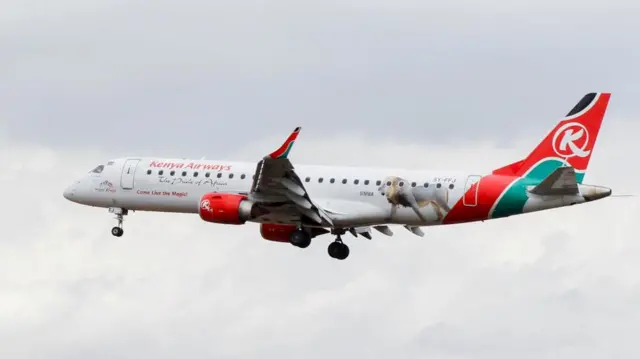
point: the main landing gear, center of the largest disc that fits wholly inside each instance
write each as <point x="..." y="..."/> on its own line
<point x="117" y="231"/>
<point x="301" y="238"/>
<point x="338" y="250"/>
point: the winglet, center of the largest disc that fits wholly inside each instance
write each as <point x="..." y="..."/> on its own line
<point x="283" y="151"/>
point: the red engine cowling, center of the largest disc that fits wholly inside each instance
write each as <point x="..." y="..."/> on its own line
<point x="225" y="208"/>
<point x="276" y="232"/>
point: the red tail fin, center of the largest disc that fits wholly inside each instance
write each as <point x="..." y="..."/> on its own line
<point x="571" y="142"/>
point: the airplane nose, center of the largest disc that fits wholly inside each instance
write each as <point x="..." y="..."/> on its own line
<point x="69" y="192"/>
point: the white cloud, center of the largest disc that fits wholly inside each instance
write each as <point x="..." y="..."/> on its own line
<point x="551" y="284"/>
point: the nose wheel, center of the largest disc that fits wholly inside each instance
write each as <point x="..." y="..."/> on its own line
<point x="117" y="231"/>
<point x="338" y="250"/>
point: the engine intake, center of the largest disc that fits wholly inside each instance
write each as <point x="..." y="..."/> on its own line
<point x="225" y="208"/>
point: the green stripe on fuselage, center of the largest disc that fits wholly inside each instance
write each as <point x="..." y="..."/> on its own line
<point x="514" y="199"/>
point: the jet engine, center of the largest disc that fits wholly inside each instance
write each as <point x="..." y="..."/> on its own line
<point x="225" y="208"/>
<point x="277" y="232"/>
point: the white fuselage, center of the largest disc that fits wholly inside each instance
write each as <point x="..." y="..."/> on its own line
<point x="354" y="194"/>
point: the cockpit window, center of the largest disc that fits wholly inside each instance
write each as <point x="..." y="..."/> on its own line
<point x="110" y="163"/>
<point x="98" y="169"/>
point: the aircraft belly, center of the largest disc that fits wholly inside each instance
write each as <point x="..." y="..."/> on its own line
<point x="539" y="203"/>
<point x="352" y="213"/>
<point x="429" y="215"/>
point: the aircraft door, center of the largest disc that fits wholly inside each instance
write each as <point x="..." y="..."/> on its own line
<point x="128" y="173"/>
<point x="470" y="197"/>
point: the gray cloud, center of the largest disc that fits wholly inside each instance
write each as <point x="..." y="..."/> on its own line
<point x="147" y="78"/>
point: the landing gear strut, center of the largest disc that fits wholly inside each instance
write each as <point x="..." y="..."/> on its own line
<point x="338" y="250"/>
<point x="117" y="231"/>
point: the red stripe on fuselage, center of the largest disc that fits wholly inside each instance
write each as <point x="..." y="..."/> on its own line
<point x="489" y="189"/>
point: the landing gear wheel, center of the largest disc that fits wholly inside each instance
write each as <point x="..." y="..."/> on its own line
<point x="338" y="250"/>
<point x="300" y="238"/>
<point x="117" y="231"/>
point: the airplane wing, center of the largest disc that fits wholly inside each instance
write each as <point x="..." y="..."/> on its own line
<point x="278" y="188"/>
<point x="562" y="181"/>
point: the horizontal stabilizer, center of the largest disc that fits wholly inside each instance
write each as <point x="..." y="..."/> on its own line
<point x="560" y="182"/>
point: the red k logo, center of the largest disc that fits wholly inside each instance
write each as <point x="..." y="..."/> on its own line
<point x="206" y="205"/>
<point x="571" y="139"/>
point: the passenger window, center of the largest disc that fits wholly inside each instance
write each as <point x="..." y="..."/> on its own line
<point x="320" y="180"/>
<point x="307" y="179"/>
<point x="184" y="173"/>
<point x="439" y="185"/>
<point x="378" y="182"/>
<point x="160" y="173"/>
<point x="148" y="172"/>
<point x="451" y="186"/>
<point x="195" y="174"/>
<point x="230" y="175"/>
<point x="242" y="176"/>
<point x="207" y="174"/>
<point x="344" y="181"/>
<point x="172" y="173"/>
<point x="401" y="184"/>
<point x="413" y="184"/>
<point x="332" y="180"/>
<point x="219" y="175"/>
<point x="366" y="182"/>
<point x="356" y="181"/>
<point x="426" y="184"/>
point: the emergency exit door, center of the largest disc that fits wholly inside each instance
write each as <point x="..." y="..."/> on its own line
<point x="470" y="197"/>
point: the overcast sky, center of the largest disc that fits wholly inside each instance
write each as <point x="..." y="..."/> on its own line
<point x="458" y="84"/>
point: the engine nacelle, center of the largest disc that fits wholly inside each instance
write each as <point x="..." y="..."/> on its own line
<point x="225" y="208"/>
<point x="276" y="232"/>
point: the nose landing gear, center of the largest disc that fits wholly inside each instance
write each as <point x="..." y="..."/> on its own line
<point x="117" y="231"/>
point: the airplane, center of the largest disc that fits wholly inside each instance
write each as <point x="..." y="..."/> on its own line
<point x="295" y="204"/>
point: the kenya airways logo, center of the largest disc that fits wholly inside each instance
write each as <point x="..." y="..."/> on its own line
<point x="571" y="139"/>
<point x="206" y="205"/>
